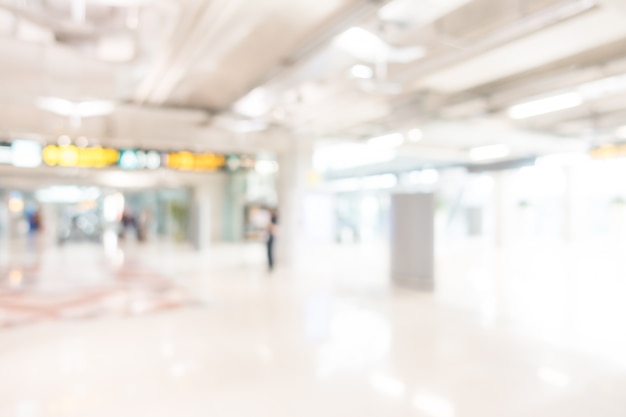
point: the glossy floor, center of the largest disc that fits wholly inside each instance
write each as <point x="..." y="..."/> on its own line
<point x="534" y="330"/>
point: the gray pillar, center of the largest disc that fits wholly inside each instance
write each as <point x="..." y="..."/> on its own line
<point x="412" y="240"/>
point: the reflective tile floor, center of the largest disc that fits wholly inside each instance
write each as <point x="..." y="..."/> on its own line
<point x="524" y="331"/>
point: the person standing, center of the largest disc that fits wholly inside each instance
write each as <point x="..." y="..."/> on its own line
<point x="271" y="237"/>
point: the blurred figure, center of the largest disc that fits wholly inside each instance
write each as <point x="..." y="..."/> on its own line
<point x="143" y="224"/>
<point x="34" y="222"/>
<point x="271" y="237"/>
<point x="128" y="221"/>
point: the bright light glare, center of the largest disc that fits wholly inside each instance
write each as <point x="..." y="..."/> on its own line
<point x="368" y="47"/>
<point x="66" y="194"/>
<point x="112" y="207"/>
<point x="361" y="43"/>
<point x="16" y="204"/>
<point x="362" y="71"/>
<point x="391" y="140"/>
<point x="68" y="108"/>
<point x="603" y="87"/>
<point x="254" y="104"/>
<point x="387" y="385"/>
<point x="266" y="167"/>
<point x="26" y="154"/>
<point x="545" y="105"/>
<point x="485" y="153"/>
<point x="554" y="377"/>
<point x="415" y="135"/>
<point x="565" y="159"/>
<point x="433" y="405"/>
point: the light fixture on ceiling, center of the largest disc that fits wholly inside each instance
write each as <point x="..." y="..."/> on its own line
<point x="546" y="105"/>
<point x="486" y="153"/>
<point x="367" y="47"/>
<point x="81" y="109"/>
<point x="415" y="135"/>
<point x="364" y="72"/>
<point x="391" y="140"/>
<point x="254" y="104"/>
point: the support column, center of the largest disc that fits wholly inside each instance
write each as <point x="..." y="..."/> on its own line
<point x="413" y="240"/>
<point x="295" y="164"/>
<point x="206" y="211"/>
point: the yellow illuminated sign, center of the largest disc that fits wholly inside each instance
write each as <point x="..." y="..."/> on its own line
<point x="609" y="151"/>
<point x="188" y="161"/>
<point x="73" y="156"/>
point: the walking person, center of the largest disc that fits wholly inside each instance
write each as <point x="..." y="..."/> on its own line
<point x="271" y="237"/>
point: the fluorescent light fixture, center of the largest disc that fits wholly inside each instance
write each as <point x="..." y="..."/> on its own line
<point x="368" y="47"/>
<point x="26" y="154"/>
<point x="254" y="104"/>
<point x="68" y="108"/>
<point x="362" y="71"/>
<point x="546" y="105"/>
<point x="433" y="405"/>
<point x="388" y="386"/>
<point x="486" y="153"/>
<point x="415" y="135"/>
<point x="391" y="140"/>
<point x="603" y="87"/>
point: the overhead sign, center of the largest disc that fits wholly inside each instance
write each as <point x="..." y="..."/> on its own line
<point x="75" y="157"/>
<point x="187" y="161"/>
<point x="30" y="154"/>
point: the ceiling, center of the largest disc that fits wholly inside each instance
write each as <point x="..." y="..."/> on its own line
<point x="245" y="76"/>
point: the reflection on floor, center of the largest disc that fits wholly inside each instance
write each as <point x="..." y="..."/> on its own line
<point x="527" y="331"/>
<point x="79" y="283"/>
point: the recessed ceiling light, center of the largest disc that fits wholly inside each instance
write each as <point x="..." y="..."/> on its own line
<point x="546" y="105"/>
<point x="362" y="71"/>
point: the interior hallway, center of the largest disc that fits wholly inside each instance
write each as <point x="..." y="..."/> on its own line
<point x="167" y="332"/>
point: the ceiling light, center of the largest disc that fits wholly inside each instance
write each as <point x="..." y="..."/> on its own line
<point x="68" y="108"/>
<point x="603" y="87"/>
<point x="415" y="135"/>
<point x="485" y="153"/>
<point x="253" y="104"/>
<point x="362" y="71"/>
<point x="391" y="140"/>
<point x="367" y="47"/>
<point x="546" y="105"/>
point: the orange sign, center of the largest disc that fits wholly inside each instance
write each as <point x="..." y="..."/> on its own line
<point x="187" y="161"/>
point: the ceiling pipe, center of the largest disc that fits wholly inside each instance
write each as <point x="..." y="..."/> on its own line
<point x="528" y="25"/>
